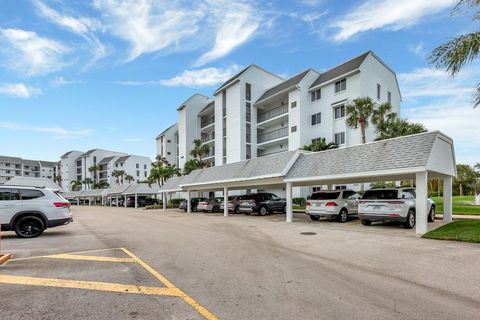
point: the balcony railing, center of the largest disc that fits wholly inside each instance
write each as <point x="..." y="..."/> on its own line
<point x="206" y="122"/>
<point x="275" y="112"/>
<point x="211" y="153"/>
<point x="208" y="137"/>
<point x="272" y="135"/>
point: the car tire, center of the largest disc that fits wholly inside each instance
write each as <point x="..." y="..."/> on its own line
<point x="410" y="223"/>
<point x="431" y="214"/>
<point x="215" y="209"/>
<point x="315" y="218"/>
<point x="284" y="209"/>
<point x="185" y="209"/>
<point x="29" y="227"/>
<point x="366" y="222"/>
<point x="342" y="216"/>
<point x="263" y="211"/>
<point x="237" y="209"/>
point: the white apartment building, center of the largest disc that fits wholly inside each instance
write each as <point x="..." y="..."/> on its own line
<point x="136" y="166"/>
<point x="17" y="167"/>
<point x="256" y="112"/>
<point x="167" y="144"/>
<point x="68" y="168"/>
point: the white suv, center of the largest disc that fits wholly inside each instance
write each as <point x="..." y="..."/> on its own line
<point x="30" y="210"/>
<point x="391" y="204"/>
<point x="339" y="204"/>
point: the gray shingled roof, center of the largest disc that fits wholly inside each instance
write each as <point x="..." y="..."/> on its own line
<point x="293" y="81"/>
<point x="68" y="153"/>
<point x="141" y="188"/>
<point x="47" y="163"/>
<point x="10" y="159"/>
<point x="172" y="185"/>
<point x="209" y="105"/>
<point x="344" y="68"/>
<point x="117" y="190"/>
<point x="122" y="159"/>
<point x="30" y="162"/>
<point x="399" y="153"/>
<point x="267" y="166"/>
<point x="163" y="132"/>
<point x="235" y="77"/>
<point x="106" y="160"/>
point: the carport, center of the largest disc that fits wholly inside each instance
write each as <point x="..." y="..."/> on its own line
<point x="140" y="189"/>
<point x="115" y="193"/>
<point x="417" y="157"/>
<point x="172" y="185"/>
<point x="92" y="194"/>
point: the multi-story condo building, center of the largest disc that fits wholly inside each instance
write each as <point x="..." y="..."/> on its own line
<point x="17" y="167"/>
<point x="137" y="167"/>
<point x="257" y="113"/>
<point x="167" y="144"/>
<point x="68" y="168"/>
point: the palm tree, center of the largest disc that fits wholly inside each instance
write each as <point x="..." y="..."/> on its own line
<point x="101" y="185"/>
<point x="170" y="171"/>
<point x="58" y="180"/>
<point x="359" y="113"/>
<point x="76" y="184"/>
<point x="399" y="128"/>
<point x="94" y="169"/>
<point x="320" y="145"/>
<point x="191" y="165"/>
<point x="454" y="54"/>
<point x="129" y="178"/>
<point x="199" y="149"/>
<point x="118" y="174"/>
<point x="382" y="115"/>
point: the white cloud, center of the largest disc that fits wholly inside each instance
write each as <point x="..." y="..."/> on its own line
<point x="202" y="77"/>
<point x="237" y="23"/>
<point x="84" y="27"/>
<point x="19" y="90"/>
<point x="56" y="132"/>
<point x="30" y="54"/>
<point x="385" y="14"/>
<point x="418" y="49"/>
<point x="136" y="83"/>
<point x="61" y="81"/>
<point x="149" y="25"/>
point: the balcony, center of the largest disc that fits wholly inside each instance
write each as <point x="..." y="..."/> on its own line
<point x="272" y="113"/>
<point x="205" y="122"/>
<point x="208" y="137"/>
<point x="210" y="154"/>
<point x="272" y="135"/>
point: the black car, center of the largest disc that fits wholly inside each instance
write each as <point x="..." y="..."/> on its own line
<point x="263" y="203"/>
<point x="142" y="201"/>
<point x="193" y="204"/>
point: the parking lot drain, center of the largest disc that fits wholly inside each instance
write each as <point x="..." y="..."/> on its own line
<point x="308" y="233"/>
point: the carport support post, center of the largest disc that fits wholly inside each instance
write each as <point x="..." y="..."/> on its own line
<point x="136" y="201"/>
<point x="288" y="204"/>
<point x="164" y="201"/>
<point x="116" y="201"/>
<point x="78" y="201"/>
<point x="421" y="204"/>
<point x="125" y="201"/>
<point x="447" y="199"/>
<point x="225" y="201"/>
<point x="189" y="205"/>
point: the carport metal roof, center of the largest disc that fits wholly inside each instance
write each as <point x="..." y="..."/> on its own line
<point x="172" y="185"/>
<point x="141" y="189"/>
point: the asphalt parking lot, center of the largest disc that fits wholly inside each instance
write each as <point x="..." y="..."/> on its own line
<point x="122" y="263"/>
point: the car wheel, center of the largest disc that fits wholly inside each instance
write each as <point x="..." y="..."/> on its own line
<point x="284" y="210"/>
<point x="263" y="211"/>
<point x="215" y="209"/>
<point x="315" y="218"/>
<point x="366" y="222"/>
<point x="237" y="209"/>
<point x="29" y="227"/>
<point x="185" y="209"/>
<point x="410" y="223"/>
<point x="343" y="216"/>
<point x="431" y="214"/>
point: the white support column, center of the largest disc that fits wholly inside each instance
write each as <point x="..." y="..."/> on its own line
<point x="421" y="202"/>
<point x="189" y="204"/>
<point x="289" y="204"/>
<point x="136" y="197"/>
<point x="125" y="201"/>
<point x="164" y="201"/>
<point x="447" y="199"/>
<point x="110" y="201"/>
<point x="225" y="201"/>
<point x="329" y="186"/>
<point x="78" y="201"/>
<point x="116" y="201"/>
<point x="89" y="201"/>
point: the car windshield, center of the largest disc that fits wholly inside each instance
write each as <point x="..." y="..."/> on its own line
<point x="325" y="195"/>
<point x="381" y="194"/>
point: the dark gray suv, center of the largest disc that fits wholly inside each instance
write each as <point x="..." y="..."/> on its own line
<point x="263" y="203"/>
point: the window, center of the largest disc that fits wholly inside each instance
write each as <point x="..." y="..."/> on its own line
<point x="293" y="104"/>
<point x="145" y="166"/>
<point x="30" y="194"/>
<point x="340" y="187"/>
<point x="389" y="97"/>
<point x="224" y="103"/>
<point x="316" y="118"/>
<point x="168" y="141"/>
<point x="339" y="138"/>
<point x="341" y="85"/>
<point x="379" y="91"/>
<point x="8" y="194"/>
<point x="249" y="152"/>
<point x="137" y="165"/>
<point x="347" y="194"/>
<point x="248" y="109"/>
<point x="294" y="129"/>
<point x="138" y="173"/>
<point x="315" y="95"/>
<point x="7" y="171"/>
<point x="145" y="173"/>
<point x="339" y="112"/>
<point x="248" y="91"/>
<point x="248" y="136"/>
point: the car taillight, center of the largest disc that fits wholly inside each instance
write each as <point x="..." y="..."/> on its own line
<point x="308" y="203"/>
<point x="61" y="204"/>
<point x="331" y="204"/>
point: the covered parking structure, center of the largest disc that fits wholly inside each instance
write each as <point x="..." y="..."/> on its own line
<point x="417" y="157"/>
<point x="140" y="189"/>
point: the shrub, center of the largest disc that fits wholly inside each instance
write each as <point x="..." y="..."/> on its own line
<point x="175" y="202"/>
<point x="152" y="207"/>
<point x="299" y="201"/>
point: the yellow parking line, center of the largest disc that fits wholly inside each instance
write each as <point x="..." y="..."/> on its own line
<point x="90" y="285"/>
<point x="194" y="304"/>
<point x="89" y="258"/>
<point x="76" y="252"/>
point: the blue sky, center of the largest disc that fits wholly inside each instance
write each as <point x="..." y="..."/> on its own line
<point x="110" y="74"/>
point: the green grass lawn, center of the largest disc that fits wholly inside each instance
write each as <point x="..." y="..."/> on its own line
<point x="461" y="205"/>
<point x="461" y="230"/>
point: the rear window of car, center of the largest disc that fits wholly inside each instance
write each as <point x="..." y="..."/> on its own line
<point x="30" y="194"/>
<point x="325" y="195"/>
<point x="58" y="194"/>
<point x="9" y="194"/>
<point x="380" y="194"/>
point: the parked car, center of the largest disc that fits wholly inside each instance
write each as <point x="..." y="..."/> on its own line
<point x="142" y="201"/>
<point x="338" y="204"/>
<point x="233" y="204"/>
<point x="212" y="204"/>
<point x="391" y="204"/>
<point x="193" y="204"/>
<point x="263" y="203"/>
<point x="30" y="210"/>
